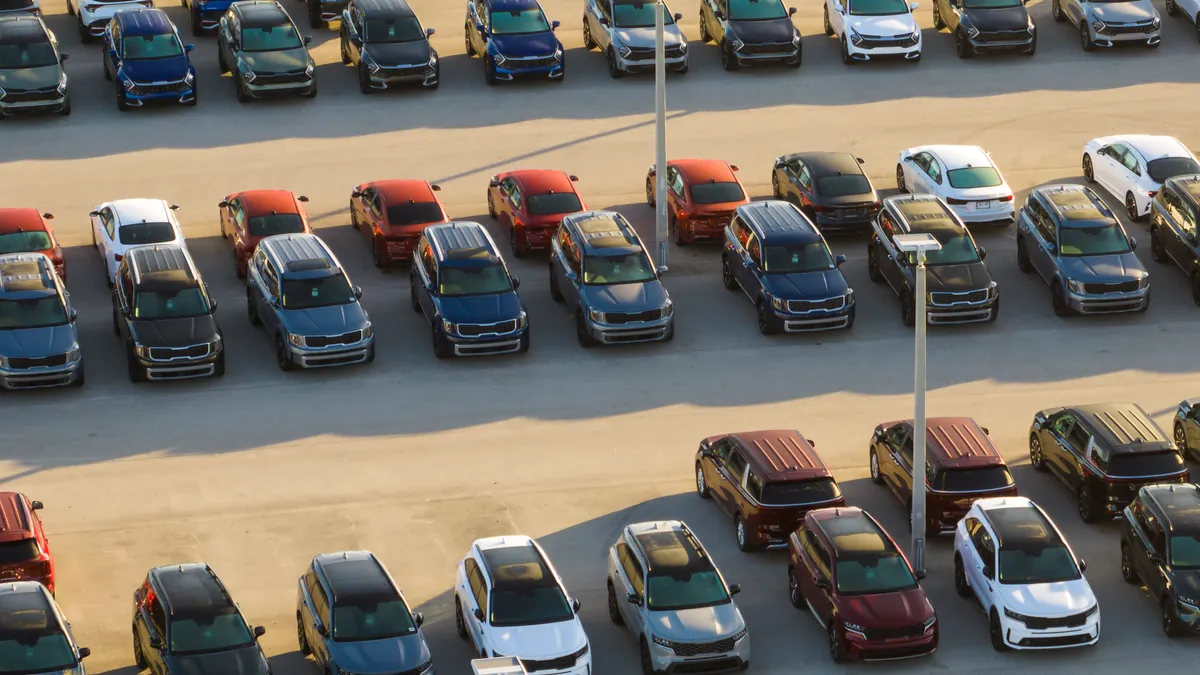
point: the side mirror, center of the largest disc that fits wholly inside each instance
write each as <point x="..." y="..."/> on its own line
<point x="156" y="643"/>
<point x="307" y="40"/>
<point x="822" y="584"/>
<point x="812" y="442"/>
<point x="223" y="205"/>
<point x="212" y="304"/>
<point x="478" y="614"/>
<point x="678" y="16"/>
<point x="791" y="11"/>
<point x="418" y="619"/>
<point x="912" y="6"/>
<point x="1051" y="249"/>
<point x="73" y="314"/>
<point x="429" y="32"/>
<point x="1190" y="236"/>
<point x="574" y="178"/>
<point x="84" y="652"/>
<point x="838" y="261"/>
<point x="571" y="276"/>
<point x="734" y="167"/>
<point x="174" y="207"/>
<point x="986" y="431"/>
<point x="302" y="198"/>
<point x="94" y="214"/>
<point x="555" y="24"/>
<point x="908" y="158"/>
<point x="188" y="48"/>
<point x="989" y="572"/>
<point x="480" y="29"/>
<point x="604" y="21"/>
<point x="112" y="53"/>
<point x="920" y="574"/>
<point x="356" y="193"/>
<point x="358" y="292"/>
<point x="734" y="589"/>
<point x="276" y="303"/>
<point x="634" y="599"/>
<point x="494" y="183"/>
<point x="63" y="56"/>
<point x="982" y="253"/>
<point x="1083" y="563"/>
<point x="861" y="160"/>
<point x="516" y="281"/>
<point x="259" y="631"/>
<point x="1133" y="243"/>
<point x="575" y="605"/>
<point x="435" y="187"/>
<point x="322" y="631"/>
<point x="662" y="269"/>
<point x="779" y="164"/>
<point x="36" y="506"/>
<point x="720" y="16"/>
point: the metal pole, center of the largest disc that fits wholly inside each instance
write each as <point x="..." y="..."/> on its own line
<point x="918" y="502"/>
<point x="660" y="133"/>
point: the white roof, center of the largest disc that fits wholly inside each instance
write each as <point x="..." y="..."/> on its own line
<point x="141" y="210"/>
<point x="506" y="541"/>
<point x="1150" y="147"/>
<point x="957" y="156"/>
<point x="991" y="503"/>
<point x="655" y="526"/>
<point x="21" y="587"/>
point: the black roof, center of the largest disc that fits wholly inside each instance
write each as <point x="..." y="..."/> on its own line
<point x="1123" y="426"/>
<point x="1188" y="186"/>
<point x="1075" y="205"/>
<point x="517" y="566"/>
<point x="261" y="13"/>
<point x="825" y="164"/>
<point x="1022" y="527"/>
<point x="385" y="9"/>
<point x="357" y="579"/>
<point x="25" y="610"/>
<point x="165" y="268"/>
<point x="192" y="590"/>
<point x="853" y="533"/>
<point x="778" y="222"/>
<point x="673" y="551"/>
<point x="1180" y="504"/>
<point x="21" y="28"/>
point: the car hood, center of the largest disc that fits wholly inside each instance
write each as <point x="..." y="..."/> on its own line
<point x="1187" y="583"/>
<point x="30" y="78"/>
<point x="1123" y="12"/>
<point x="806" y="285"/>
<point x="35" y="343"/>
<point x="644" y="37"/>
<point x="626" y="297"/>
<point x="755" y="32"/>
<point x="175" y="332"/>
<point x="245" y="661"/>
<point x="886" y="610"/>
<point x="1102" y="268"/>
<point x="536" y="44"/>
<point x="332" y="320"/>
<point x="999" y="18"/>
<point x="1056" y="599"/>
<point x="957" y="278"/>
<point x="381" y="656"/>
<point x="489" y="308"/>
<point x="285" y="61"/>
<point x="156" y="70"/>
<point x="893" y="24"/>
<point x="702" y="624"/>
<point x="400" y="53"/>
<point x="540" y="641"/>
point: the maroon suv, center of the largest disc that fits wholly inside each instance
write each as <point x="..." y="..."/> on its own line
<point x="24" y="549"/>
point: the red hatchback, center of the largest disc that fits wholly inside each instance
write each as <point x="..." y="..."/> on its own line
<point x="531" y="204"/>
<point x="26" y="231"/>
<point x="255" y="214"/>
<point x="392" y="214"/>
<point x="845" y="569"/>
<point x="24" y="549"/>
<point x="701" y="197"/>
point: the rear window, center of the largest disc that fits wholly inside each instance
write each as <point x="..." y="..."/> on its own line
<point x="1136" y="464"/>
<point x="20" y="551"/>
<point x="23" y="242"/>
<point x="558" y="202"/>
<point x="800" y="491"/>
<point x="147" y="233"/>
<point x="717" y="193"/>
<point x="843" y="185"/>
<point x="975" y="177"/>
<point x="973" y="480"/>
<point x="415" y="213"/>
<point x="276" y="223"/>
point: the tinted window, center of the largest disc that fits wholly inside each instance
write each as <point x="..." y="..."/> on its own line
<point x="717" y="193"/>
<point x="885" y="572"/>
<point x="519" y="22"/>
<point x="1185" y="551"/>
<point x="682" y="588"/>
<point x="275" y="223"/>
<point x="878" y="7"/>
<point x="841" y="186"/>
<point x="1167" y="167"/>
<point x="33" y="313"/>
<point x="559" y="202"/>
<point x="171" y="304"/>
<point x="371" y="619"/>
<point x="618" y="269"/>
<point x="393" y="30"/>
<point x="478" y="280"/>
<point x="21" y="242"/>
<point x="271" y="38"/>
<point x="525" y="604"/>
<point x="318" y="292"/>
<point x="1104" y="239"/>
<point x="142" y="47"/>
<point x="146" y="233"/>
<point x="796" y="258"/>
<point x="1035" y="564"/>
<point x="753" y="10"/>
<point x="637" y="14"/>
<point x="19" y="551"/>
<point x="973" y="480"/>
<point x="31" y="640"/>
<point x="800" y="491"/>
<point x="978" y="177"/>
<point x="1145" y="464"/>
<point x="415" y="213"/>
<point x="26" y="50"/>
<point x="219" y="632"/>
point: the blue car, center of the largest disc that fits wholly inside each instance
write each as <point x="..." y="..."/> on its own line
<point x="514" y="39"/>
<point x="775" y="254"/>
<point x="148" y="61"/>
<point x="39" y="344"/>
<point x="206" y="14"/>
<point x="462" y="286"/>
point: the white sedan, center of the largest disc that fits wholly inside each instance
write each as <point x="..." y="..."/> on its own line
<point x="123" y="224"/>
<point x="1133" y="167"/>
<point x="94" y="15"/>
<point x="964" y="176"/>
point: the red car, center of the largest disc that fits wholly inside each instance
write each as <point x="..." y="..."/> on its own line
<point x="255" y="214"/>
<point x="24" y="549"/>
<point x="701" y="197"/>
<point x="392" y="214"/>
<point x="848" y="572"/>
<point x="26" y="231"/>
<point x="530" y="205"/>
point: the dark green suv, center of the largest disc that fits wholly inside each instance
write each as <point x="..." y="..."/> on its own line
<point x="1160" y="547"/>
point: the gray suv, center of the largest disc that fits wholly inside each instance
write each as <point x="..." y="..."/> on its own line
<point x="298" y="291"/>
<point x="664" y="587"/>
<point x="1104" y="23"/>
<point x="39" y="346"/>
<point x="624" y="31"/>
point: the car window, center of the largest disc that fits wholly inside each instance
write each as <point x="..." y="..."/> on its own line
<point x="740" y="231"/>
<point x="934" y="171"/>
<point x="754" y="485"/>
<point x="632" y="567"/>
<point x="720" y="450"/>
<point x="1079" y="437"/>
<point x="519" y="22"/>
<point x="109" y="223"/>
<point x="877" y="7"/>
<point x="271" y="277"/>
<point x="1062" y="425"/>
<point x="755" y="250"/>
<point x="818" y="554"/>
<point x="321" y="604"/>
<point x="1045" y="225"/>
<point x="27" y="50"/>
<point x="1130" y="161"/>
<point x="271" y="38"/>
<point x="324" y="291"/>
<point x="149" y="47"/>
<point x="906" y="450"/>
<point x="387" y="31"/>
<point x="1163" y="168"/>
<point x="805" y="177"/>
<point x="158" y="618"/>
<point x="887" y="225"/>
<point x="756" y="10"/>
<point x="619" y="268"/>
<point x="139" y="234"/>
<point x="1139" y="517"/>
<point x="737" y="465"/>
<point x="478" y="585"/>
<point x="481" y="13"/>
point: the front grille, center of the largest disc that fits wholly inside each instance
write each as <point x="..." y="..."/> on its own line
<point x="475" y="329"/>
<point x="30" y="95"/>
<point x="1045" y="623"/>
<point x="640" y="54"/>
<point x="879" y="41"/>
<point x="561" y="663"/>
<point x="401" y="71"/>
<point x="41" y="362"/>
<point x="282" y="78"/>
<point x="533" y="62"/>
<point x="702" y="648"/>
<point x="915" y="630"/>
<point x="1128" y="29"/>
<point x="1064" y="641"/>
<point x="1003" y="36"/>
<point x="768" y="48"/>
<point x="628" y="317"/>
<point x="1122" y="287"/>
<point x="796" y="306"/>
<point x="326" y="340"/>
<point x="160" y="87"/>
<point x="971" y="297"/>
<point x="711" y="666"/>
<point x="168" y="353"/>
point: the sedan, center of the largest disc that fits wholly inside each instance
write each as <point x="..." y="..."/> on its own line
<point x="1133" y="167"/>
<point x="964" y="176"/>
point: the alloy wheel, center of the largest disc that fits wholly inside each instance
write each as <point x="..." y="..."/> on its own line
<point x="1056" y="11"/>
<point x="875" y="477"/>
<point x="647" y="664"/>
<point x="1156" y="245"/>
<point x="960" y="579"/>
<point x="1181" y="439"/>
<point x="491" y="205"/>
<point x="1085" y="38"/>
<point x="901" y="185"/>
<point x="997" y="633"/>
<point x="301" y="638"/>
<point x="1088" y="173"/>
<point x="1127" y="571"/>
<point x="1036" y="459"/>
<point x="835" y="642"/>
<point x="1172" y="8"/>
<point x="727" y="274"/>
<point x="825" y="16"/>
<point x="794" y="589"/>
<point x="1170" y="626"/>
<point x="741" y="533"/>
<point x="1131" y="209"/>
<point x="701" y="485"/>
<point x="1084" y="497"/>
<point x="459" y="624"/>
<point x="614" y="611"/>
<point x="649" y="193"/>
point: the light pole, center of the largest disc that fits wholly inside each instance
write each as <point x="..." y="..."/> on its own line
<point x="919" y="245"/>
<point x="660" y="132"/>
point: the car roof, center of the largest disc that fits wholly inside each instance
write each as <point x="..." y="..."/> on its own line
<point x="1188" y="186"/>
<point x="396" y="9"/>
<point x="16" y="521"/>
<point x="509" y="5"/>
<point x="21" y="220"/>
<point x="1180" y="504"/>
<point x="267" y="202"/>
<point x="778" y="222"/>
<point x="1124" y="426"/>
<point x="21" y="25"/>
<point x="259" y="13"/>
<point x="852" y="531"/>
<point x="300" y="253"/>
<point x="782" y="455"/>
<point x="26" y="276"/>
<point x="705" y="170"/>
<point x="517" y="563"/>
<point x="1075" y="204"/>
<point x="956" y="443"/>
<point x="957" y="156"/>
<point x="825" y="164"/>
<point x="398" y="191"/>
<point x="20" y="604"/>
<point x="923" y="213"/>
<point x="669" y="545"/>
<point x="131" y="211"/>
<point x="542" y="181"/>
<point x="604" y="231"/>
<point x="354" y="575"/>
<point x="1150" y="147"/>
<point x="463" y="242"/>
<point x="164" y="267"/>
<point x="1018" y="522"/>
<point x="152" y="21"/>
<point x="190" y="589"/>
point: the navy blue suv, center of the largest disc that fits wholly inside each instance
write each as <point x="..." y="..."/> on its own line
<point x="1080" y="249"/>
<point x="460" y="283"/>
<point x="777" y="256"/>
<point x="514" y="39"/>
<point x="206" y="14"/>
<point x="1174" y="216"/>
<point x="149" y="62"/>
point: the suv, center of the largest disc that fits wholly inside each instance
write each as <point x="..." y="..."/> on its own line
<point x="145" y="55"/>
<point x="1160" y="546"/>
<point x="766" y="480"/>
<point x="37" y="638"/>
<point x="624" y="31"/>
<point x="32" y="78"/>
<point x="513" y="39"/>
<point x="1013" y="559"/>
<point x="299" y="292"/>
<point x="751" y="32"/>
<point x="664" y="587"/>
<point x="1187" y="428"/>
<point x="869" y="29"/>
<point x="701" y="197"/>
<point x="602" y="271"/>
<point x="184" y="621"/>
<point x="463" y="287"/>
<point x="1173" y="227"/>
<point x="262" y="47"/>
<point x="39" y="343"/>
<point x="1078" y="247"/>
<point x="205" y="14"/>
<point x="26" y="231"/>
<point x="351" y="617"/>
<point x="959" y="286"/>
<point x="165" y="316"/>
<point x="986" y="26"/>
<point x="530" y="205"/>
<point x="846" y="569"/>
<point x="829" y="187"/>
<point x="962" y="465"/>
<point x="25" y="553"/>
<point x="392" y="214"/>
<point x="1107" y="23"/>
<point x="1104" y="453"/>
<point x="384" y="41"/>
<point x="784" y="266"/>
<point x="252" y="215"/>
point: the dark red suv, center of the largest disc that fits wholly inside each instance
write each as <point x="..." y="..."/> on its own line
<point x="845" y="568"/>
<point x="24" y="549"/>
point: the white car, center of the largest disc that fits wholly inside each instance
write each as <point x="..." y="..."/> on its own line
<point x="872" y="29"/>
<point x="964" y="176"/>
<point x="1190" y="9"/>
<point x="510" y="601"/>
<point x="1132" y="168"/>
<point x="94" y="15"/>
<point x="1015" y="561"/>
<point x="123" y="224"/>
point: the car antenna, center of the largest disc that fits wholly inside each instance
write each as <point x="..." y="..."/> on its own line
<point x="274" y="212"/>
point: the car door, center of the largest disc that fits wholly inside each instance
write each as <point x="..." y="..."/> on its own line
<point x="1181" y="244"/>
<point x="1140" y="549"/>
<point x="936" y="172"/>
<point x="889" y="259"/>
<point x="675" y="188"/>
<point x="1109" y="167"/>
<point x="478" y="600"/>
<point x="112" y="47"/>
<point x="226" y="37"/>
<point x="1044" y="254"/>
<point x="272" y="302"/>
<point x="949" y="12"/>
<point x="122" y="301"/>
<point x="751" y="274"/>
<point x="633" y="580"/>
<point x="241" y="227"/>
<point x="837" y="18"/>
<point x="322" y="624"/>
<point x="425" y="273"/>
<point x="110" y="244"/>
<point x="889" y="448"/>
<point x="155" y="624"/>
<point x="1076" y="459"/>
<point x="902" y="478"/>
<point x="1154" y="575"/>
<point x="984" y="546"/>
<point x="478" y="18"/>
<point x="572" y="286"/>
<point x="1076" y="10"/>
<point x="916" y="173"/>
<point x="716" y="475"/>
<point x="602" y="23"/>
<point x="1129" y="175"/>
<point x="1054" y="442"/>
<point x="736" y="469"/>
<point x="823" y="581"/>
<point x="355" y="34"/>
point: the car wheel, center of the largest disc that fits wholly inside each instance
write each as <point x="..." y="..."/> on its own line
<point x="938" y="24"/>
<point x="650" y="195"/>
<point x="908" y="310"/>
<point x="1058" y="298"/>
<point x="489" y="72"/>
<point x="219" y="366"/>
<point x="136" y="372"/>
<point x="614" y="69"/>
<point x="581" y="331"/>
<point x="221" y="65"/>
<point x="1197" y="22"/>
<point x="491" y="205"/>
<point x="701" y="484"/>
<point x="705" y="37"/>
<point x="647" y="662"/>
<point x="239" y="90"/>
<point x="846" y="57"/>
<point x="677" y="235"/>
<point x="70" y="9"/>
<point x="470" y="48"/>
<point x="794" y="593"/>
<point x="901" y="184"/>
<point x="555" y="292"/>
<point x="745" y="540"/>
<point x="614" y="610"/>
<point x="282" y="358"/>
<point x="1085" y="38"/>
<point x="85" y="35"/>
<point x="345" y="53"/>
<point x="1023" y="262"/>
<point x="122" y="102"/>
<point x="799" y="60"/>
<point x="104" y="67"/>
<point x="961" y="586"/>
<point x="1156" y="245"/>
<point x="1128" y="573"/>
<point x="1172" y="8"/>
<point x="588" y="43"/>
<point x="873" y="272"/>
<point x="1056" y="11"/>
<point x="364" y="80"/>
<point x="519" y="248"/>
<point x="1036" y="458"/>
<point x="728" y="60"/>
<point x="376" y="259"/>
<point x="1086" y="503"/>
<point x="962" y="46"/>
<point x="997" y="632"/>
<point x="1181" y="441"/>
<point x="1089" y="173"/>
<point x="252" y="311"/>
<point x="440" y="348"/>
<point x="116" y="323"/>
<point x="1032" y="49"/>
<point x="1170" y="619"/>
<point x="837" y="651"/>
<point x="825" y="20"/>
<point x="301" y="638"/>
<point x="412" y="295"/>
<point x="876" y="477"/>
<point x="727" y="279"/>
<point x="1131" y="208"/>
<point x="766" y="321"/>
<point x="459" y="624"/>
<point x="139" y="657"/>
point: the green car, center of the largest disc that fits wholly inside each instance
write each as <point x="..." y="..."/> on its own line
<point x="260" y="45"/>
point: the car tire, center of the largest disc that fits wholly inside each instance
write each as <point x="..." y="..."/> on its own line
<point x="470" y="48"/>
<point x="364" y="80"/>
<point x="343" y="52"/>
<point x="701" y="483"/>
<point x="651" y="200"/>
<point x="673" y="227"/>
<point x="767" y="323"/>
<point x="70" y="9"/>
<point x="1037" y="459"/>
<point x="312" y="91"/>
<point x="555" y="292"/>
<point x="1128" y="573"/>
<point x="1197" y="22"/>
<point x="519" y="249"/>
<point x="938" y="23"/>
<point x="614" y="610"/>
<point x="221" y="65"/>
<point x="996" y="631"/>
<point x="646" y="661"/>
<point x="588" y="43"/>
<point x="104" y="67"/>
<point x="491" y="204"/>
<point x="122" y="102"/>
<point x="440" y="348"/>
<point x="65" y="110"/>
<point x="776" y="192"/>
<point x="136" y="372"/>
<point x="219" y="366"/>
<point x="283" y="359"/>
<point x="962" y="46"/>
<point x="799" y="59"/>
<point x="1172" y="8"/>
<point x="727" y="279"/>
<point x="460" y="625"/>
<point x="614" y="69"/>
<point x="741" y="536"/>
<point x="1086" y="503"/>
<point x="873" y="461"/>
<point x="961" y="585"/>
<point x="837" y="650"/>
<point x="252" y="311"/>
<point x="794" y="594"/>
<point x="1156" y="244"/>
<point x="846" y="57"/>
<point x="302" y="637"/>
<point x="729" y="62"/>
<point x="873" y="271"/>
<point x="1085" y="38"/>
<point x="139" y="657"/>
<point x="1089" y="172"/>
<point x="825" y="20"/>
<point x="1058" y="299"/>
<point x="413" y="300"/>
<point x="85" y="34"/>
<point x="239" y="90"/>
<point x="1181" y="440"/>
<point x="901" y="183"/>
<point x="1057" y="12"/>
<point x="908" y="309"/>
<point x="581" y="331"/>
<point x="1170" y="618"/>
<point x="1131" y="208"/>
<point x="1032" y="49"/>
<point x="1023" y="262"/>
<point x="489" y="73"/>
<point x="116" y="323"/>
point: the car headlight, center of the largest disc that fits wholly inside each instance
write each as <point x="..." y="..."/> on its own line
<point x="666" y="310"/>
<point x="343" y="671"/>
<point x="1144" y="282"/>
<point x="189" y="79"/>
<point x="433" y="61"/>
<point x="663" y="642"/>
<point x="972" y="32"/>
<point x="522" y="320"/>
<point x="596" y="316"/>
<point x="125" y="81"/>
<point x="993" y="289"/>
<point x="1189" y="601"/>
<point x="1099" y="26"/>
<point x="73" y="355"/>
<point x="247" y="74"/>
<point x="296" y="340"/>
<point x="215" y="343"/>
<point x="1032" y="26"/>
<point x="367" y="61"/>
<point x="683" y="47"/>
<point x="309" y="70"/>
<point x="580" y="653"/>
<point x="1074" y="286"/>
<point x="854" y="628"/>
<point x="849" y="296"/>
<point x="778" y="303"/>
<point x="368" y="331"/>
<point x="448" y="327"/>
<point x="1015" y="616"/>
<point x="735" y="42"/>
<point x="2" y="93"/>
<point x="1095" y="608"/>
<point x="855" y="38"/>
<point x="426" y="669"/>
<point x="496" y="55"/>
<point x="928" y="623"/>
<point x="142" y="351"/>
<point x="558" y="53"/>
<point x="740" y="634"/>
<point x="625" y="51"/>
<point x="1157" y="21"/>
<point x="3" y="361"/>
<point x="62" y="84"/>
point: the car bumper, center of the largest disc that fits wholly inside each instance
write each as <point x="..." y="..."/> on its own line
<point x="641" y="331"/>
<point x="536" y="237"/>
<point x="211" y="13"/>
<point x="507" y="343"/>
<point x="135" y="99"/>
<point x="1128" y="39"/>
<point x="333" y="355"/>
<point x="10" y="108"/>
<point x="512" y="70"/>
<point x="859" y="647"/>
<point x="862" y="53"/>
<point x="786" y="56"/>
<point x="666" y="660"/>
<point x="704" y="227"/>
<point x="816" y="320"/>
<point x="962" y="313"/>
<point x="426" y="76"/>
<point x="1017" y="636"/>
<point x="43" y="377"/>
<point x="332" y="11"/>
<point x="1188" y="617"/>
<point x="998" y="46"/>
<point x="1108" y="303"/>
<point x="399" y="250"/>
<point x="828" y="223"/>
<point x="1000" y="216"/>
<point x="647" y="65"/>
<point x="283" y="89"/>
<point x="182" y="369"/>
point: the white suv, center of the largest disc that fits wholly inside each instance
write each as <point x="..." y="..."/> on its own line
<point x="1013" y="558"/>
<point x="510" y="601"/>
<point x="873" y="29"/>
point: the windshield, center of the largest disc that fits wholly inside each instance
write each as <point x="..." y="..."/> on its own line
<point x="558" y="202"/>
<point x="885" y="572"/>
<point x="1169" y="167"/>
<point x="415" y="213"/>
<point x="797" y="258"/>
<point x="145" y="47"/>
<point x="475" y="280"/>
<point x="19" y="551"/>
<point x="1185" y="551"/>
<point x="146" y="233"/>
<point x="878" y="7"/>
<point x="1037" y="565"/>
<point x="973" y="480"/>
<point x="844" y="185"/>
<point x="209" y="634"/>
<point x="717" y="193"/>
<point x="31" y="640"/>
<point x="629" y="268"/>
<point x="34" y="52"/>
<point x="169" y="304"/>
<point x="271" y="38"/>
<point x="32" y="313"/>
<point x="978" y="177"/>
<point x="525" y="604"/>
<point x="1137" y="464"/>
<point x="366" y="619"/>
<point x="316" y="292"/>
<point x="637" y="14"/>
<point x="276" y="223"/>
<point x="21" y="242"/>
<point x="800" y="492"/>
<point x="756" y="10"/>
<point x="684" y="589"/>
<point x="393" y="30"/>
<point x="519" y="22"/>
<point x="957" y="249"/>
<point x="1107" y="239"/>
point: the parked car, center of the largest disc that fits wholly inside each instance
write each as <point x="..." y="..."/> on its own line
<point x="24" y="230"/>
<point x="464" y="289"/>
<point x="37" y="637"/>
<point x="509" y="600"/>
<point x="165" y="317"/>
<point x="961" y="465"/>
<point x="701" y="197"/>
<point x="964" y="176"/>
<point x="352" y="618"/>
<point x="392" y="214"/>
<point x="959" y="286"/>
<point x="147" y="59"/>
<point x="1133" y="167"/>
<point x="93" y="16"/>
<point x="384" y="41"/>
<point x="205" y="14"/>
<point x="1175" y="212"/>
<point x="21" y="7"/>
<point x="601" y="270"/>
<point x="1081" y="251"/>
<point x="1187" y="428"/>
<point x="262" y="47"/>
<point x="530" y="204"/>
<point x="32" y="78"/>
<point x="1190" y="9"/>
<point x="1013" y="559"/>
<point x="751" y="32"/>
<point x="1108" y="23"/>
<point x="321" y="12"/>
<point x="766" y="481"/>
<point x="986" y="26"/>
<point x="514" y="40"/>
<point x="829" y="187"/>
<point x="25" y="553"/>
<point x="784" y="266"/>
<point x="39" y="343"/>
<point x="186" y="622"/>
<point x="120" y="225"/>
<point x="623" y="30"/>
<point x="1104" y="453"/>
<point x="254" y="214"/>
<point x="298" y="291"/>
<point x="874" y="30"/>
<point x="1160" y="547"/>
<point x="664" y="587"/>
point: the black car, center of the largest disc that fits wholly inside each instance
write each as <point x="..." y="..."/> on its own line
<point x="186" y="623"/>
<point x="830" y="187"/>
<point x="1187" y="428"/>
<point x="1103" y="453"/>
<point x="32" y="79"/>
<point x="750" y="32"/>
<point x="260" y="45"/>
<point x="959" y="287"/>
<point x="164" y="315"/>
<point x="1160" y="547"/>
<point x="986" y="26"/>
<point x="1173" y="235"/>
<point x="386" y="44"/>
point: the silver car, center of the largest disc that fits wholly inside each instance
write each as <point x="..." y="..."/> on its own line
<point x="664" y="587"/>
<point x="1105" y="23"/>
<point x="624" y="31"/>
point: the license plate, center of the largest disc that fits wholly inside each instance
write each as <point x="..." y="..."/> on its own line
<point x="983" y="205"/>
